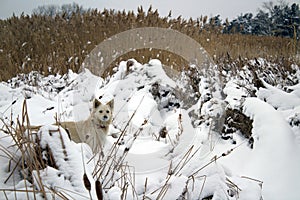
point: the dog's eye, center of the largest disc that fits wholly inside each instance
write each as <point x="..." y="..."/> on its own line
<point x="107" y="111"/>
<point x="101" y="111"/>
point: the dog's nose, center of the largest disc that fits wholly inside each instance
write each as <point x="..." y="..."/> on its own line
<point x="105" y="117"/>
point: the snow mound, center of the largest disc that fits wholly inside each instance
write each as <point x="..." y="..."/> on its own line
<point x="279" y="99"/>
<point x="169" y="142"/>
<point x="274" y="150"/>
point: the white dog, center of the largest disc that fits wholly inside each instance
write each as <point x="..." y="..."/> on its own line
<point x="94" y="130"/>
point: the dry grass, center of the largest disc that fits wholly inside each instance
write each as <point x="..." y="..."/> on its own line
<point x="27" y="161"/>
<point x="29" y="158"/>
<point x="39" y="43"/>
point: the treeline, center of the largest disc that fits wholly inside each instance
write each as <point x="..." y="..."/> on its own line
<point x="60" y="41"/>
<point x="273" y="20"/>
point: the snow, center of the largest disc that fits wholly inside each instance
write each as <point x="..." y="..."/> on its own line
<point x="191" y="161"/>
<point x="278" y="98"/>
<point x="279" y="154"/>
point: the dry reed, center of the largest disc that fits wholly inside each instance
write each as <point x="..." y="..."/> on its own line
<point x="54" y="45"/>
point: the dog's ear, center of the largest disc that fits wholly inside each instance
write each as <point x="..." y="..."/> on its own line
<point x="111" y="104"/>
<point x="96" y="103"/>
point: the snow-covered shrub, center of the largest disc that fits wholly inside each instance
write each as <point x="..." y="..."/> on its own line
<point x="236" y="122"/>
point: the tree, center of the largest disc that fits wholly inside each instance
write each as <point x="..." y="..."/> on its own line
<point x="277" y="20"/>
<point x="46" y="10"/>
<point x="283" y="20"/>
<point x="261" y="24"/>
<point x="67" y="10"/>
<point x="242" y="24"/>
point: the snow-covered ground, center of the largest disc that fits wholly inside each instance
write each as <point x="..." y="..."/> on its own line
<point x="170" y="143"/>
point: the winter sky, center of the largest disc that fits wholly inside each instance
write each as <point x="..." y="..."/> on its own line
<point x="187" y="8"/>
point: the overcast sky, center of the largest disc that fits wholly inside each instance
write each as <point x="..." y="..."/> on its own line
<point x="187" y="8"/>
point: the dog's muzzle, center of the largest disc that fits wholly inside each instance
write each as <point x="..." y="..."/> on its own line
<point x="105" y="118"/>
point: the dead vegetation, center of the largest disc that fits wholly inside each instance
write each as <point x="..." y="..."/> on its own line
<point x="27" y="157"/>
<point x="35" y="151"/>
<point x="237" y="122"/>
<point x="53" y="45"/>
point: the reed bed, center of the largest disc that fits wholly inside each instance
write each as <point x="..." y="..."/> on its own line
<point x="53" y="45"/>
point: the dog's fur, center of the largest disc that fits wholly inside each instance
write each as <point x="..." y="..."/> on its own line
<point x="94" y="130"/>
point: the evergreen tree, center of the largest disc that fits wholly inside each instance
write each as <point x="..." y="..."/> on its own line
<point x="242" y="24"/>
<point x="261" y="24"/>
<point x="277" y="20"/>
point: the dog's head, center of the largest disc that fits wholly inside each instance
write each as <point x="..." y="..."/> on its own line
<point x="103" y="112"/>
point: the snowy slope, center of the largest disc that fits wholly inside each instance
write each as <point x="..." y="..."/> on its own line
<point x="169" y="143"/>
